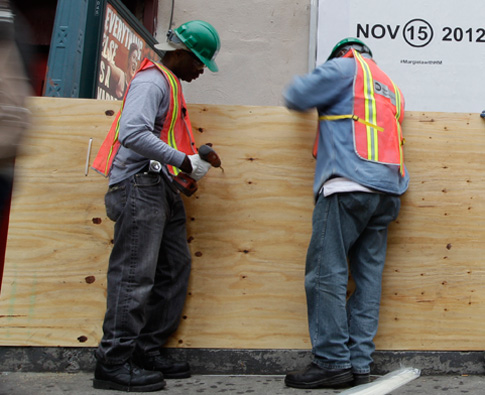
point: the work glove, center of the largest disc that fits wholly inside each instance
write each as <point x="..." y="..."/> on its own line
<point x="199" y="167"/>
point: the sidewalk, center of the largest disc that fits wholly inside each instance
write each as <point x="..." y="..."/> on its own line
<point x="21" y="383"/>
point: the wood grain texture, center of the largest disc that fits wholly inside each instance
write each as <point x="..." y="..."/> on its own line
<point x="248" y="228"/>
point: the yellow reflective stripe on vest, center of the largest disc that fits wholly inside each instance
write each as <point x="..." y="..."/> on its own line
<point x="173" y="83"/>
<point x="117" y="132"/>
<point x="370" y="109"/>
<point x="171" y="131"/>
<point x="349" y="116"/>
<point x="112" y="146"/>
<point x="399" y="129"/>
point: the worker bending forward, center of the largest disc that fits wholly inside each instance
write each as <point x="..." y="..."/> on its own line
<point x="150" y="262"/>
<point x="359" y="177"/>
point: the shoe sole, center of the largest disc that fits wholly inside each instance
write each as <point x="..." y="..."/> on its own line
<point x="181" y="375"/>
<point x="338" y="381"/>
<point x="360" y="382"/>
<point x="110" y="385"/>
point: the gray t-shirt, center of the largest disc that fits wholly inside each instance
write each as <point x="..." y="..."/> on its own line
<point x="141" y="122"/>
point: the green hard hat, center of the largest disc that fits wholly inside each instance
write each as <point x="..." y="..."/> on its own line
<point x="351" y="42"/>
<point x="202" y="39"/>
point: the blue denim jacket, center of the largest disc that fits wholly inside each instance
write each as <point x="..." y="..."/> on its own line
<point x="329" y="89"/>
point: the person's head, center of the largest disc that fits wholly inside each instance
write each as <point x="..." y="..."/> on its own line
<point x="344" y="46"/>
<point x="132" y="60"/>
<point x="191" y="47"/>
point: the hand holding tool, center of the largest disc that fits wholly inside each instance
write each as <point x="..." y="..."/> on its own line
<point x="201" y="163"/>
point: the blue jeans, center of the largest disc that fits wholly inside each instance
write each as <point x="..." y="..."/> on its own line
<point x="149" y="268"/>
<point x="349" y="232"/>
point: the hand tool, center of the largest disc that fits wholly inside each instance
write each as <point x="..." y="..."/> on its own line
<point x="188" y="185"/>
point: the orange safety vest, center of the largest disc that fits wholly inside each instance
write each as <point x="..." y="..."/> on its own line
<point x="377" y="136"/>
<point x="176" y="131"/>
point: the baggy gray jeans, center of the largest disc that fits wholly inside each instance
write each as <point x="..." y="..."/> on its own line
<point x="149" y="268"/>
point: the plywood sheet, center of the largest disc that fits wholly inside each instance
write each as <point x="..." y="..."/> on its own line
<point x="249" y="228"/>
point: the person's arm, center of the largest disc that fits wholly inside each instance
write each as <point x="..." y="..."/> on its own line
<point x="314" y="90"/>
<point x="117" y="79"/>
<point x="137" y="122"/>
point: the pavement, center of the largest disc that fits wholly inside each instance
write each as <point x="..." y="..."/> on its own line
<point x="26" y="383"/>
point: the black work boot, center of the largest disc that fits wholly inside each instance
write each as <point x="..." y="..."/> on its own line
<point x="126" y="377"/>
<point x="313" y="376"/>
<point x="361" y="378"/>
<point x="170" y="369"/>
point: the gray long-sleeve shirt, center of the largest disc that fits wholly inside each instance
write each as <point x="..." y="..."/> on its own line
<point x="141" y="122"/>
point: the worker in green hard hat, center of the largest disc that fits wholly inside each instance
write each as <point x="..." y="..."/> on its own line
<point x="359" y="177"/>
<point x="198" y="37"/>
<point x="343" y="46"/>
<point x="149" y="144"/>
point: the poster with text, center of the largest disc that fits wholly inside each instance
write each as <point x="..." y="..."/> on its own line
<point x="122" y="50"/>
<point x="434" y="51"/>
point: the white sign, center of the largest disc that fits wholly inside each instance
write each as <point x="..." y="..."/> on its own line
<point x="433" y="50"/>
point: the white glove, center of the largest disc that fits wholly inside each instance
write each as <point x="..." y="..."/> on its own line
<point x="199" y="167"/>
